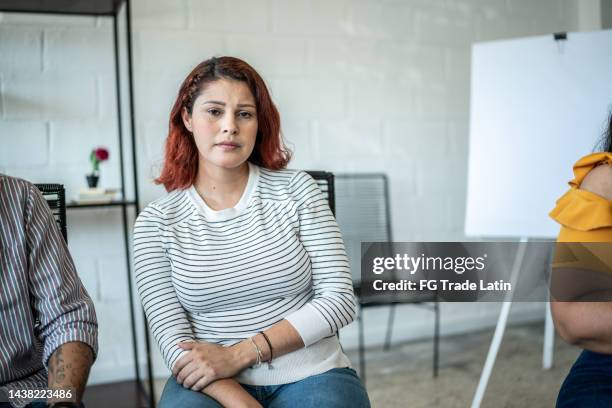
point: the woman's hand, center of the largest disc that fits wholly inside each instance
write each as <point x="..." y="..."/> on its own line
<point x="205" y="363"/>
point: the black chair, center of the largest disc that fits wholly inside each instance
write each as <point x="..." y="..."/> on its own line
<point x="362" y="201"/>
<point x="325" y="181"/>
<point x="55" y="194"/>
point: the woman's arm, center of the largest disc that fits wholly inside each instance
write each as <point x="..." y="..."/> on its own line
<point x="581" y="294"/>
<point x="584" y="318"/>
<point x="229" y="393"/>
<point x="206" y="362"/>
<point x="153" y="275"/>
<point x="585" y="324"/>
<point x="333" y="303"/>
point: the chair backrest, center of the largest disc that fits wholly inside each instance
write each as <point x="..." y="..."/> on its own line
<point x="362" y="202"/>
<point x="55" y="194"/>
<point x="325" y="180"/>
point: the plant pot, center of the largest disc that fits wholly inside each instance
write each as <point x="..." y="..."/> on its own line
<point x="92" y="180"/>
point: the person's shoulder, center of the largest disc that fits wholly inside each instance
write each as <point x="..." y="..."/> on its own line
<point x="165" y="209"/>
<point x="304" y="188"/>
<point x="295" y="182"/>
<point x="15" y="182"/>
<point x="302" y="180"/>
<point x="17" y="187"/>
<point x="599" y="181"/>
<point x="275" y="180"/>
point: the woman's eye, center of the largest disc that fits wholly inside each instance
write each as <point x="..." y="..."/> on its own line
<point x="214" y="112"/>
<point x="245" y="114"/>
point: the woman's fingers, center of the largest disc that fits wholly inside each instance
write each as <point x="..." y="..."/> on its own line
<point x="186" y="372"/>
<point x="193" y="378"/>
<point x="200" y="384"/>
<point x="181" y="363"/>
<point x="186" y="345"/>
<point x="203" y="364"/>
<point x="196" y="375"/>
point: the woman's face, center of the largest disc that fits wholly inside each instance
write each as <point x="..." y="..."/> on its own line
<point x="224" y="123"/>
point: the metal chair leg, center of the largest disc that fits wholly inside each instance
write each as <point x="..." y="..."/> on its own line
<point x="436" y="351"/>
<point x="362" y="364"/>
<point x="390" y="322"/>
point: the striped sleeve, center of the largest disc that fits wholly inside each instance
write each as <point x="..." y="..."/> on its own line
<point x="63" y="307"/>
<point x="333" y="305"/>
<point x="167" y="318"/>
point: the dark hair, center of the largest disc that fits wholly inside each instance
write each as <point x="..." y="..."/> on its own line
<point x="181" y="155"/>
<point x="606" y="141"/>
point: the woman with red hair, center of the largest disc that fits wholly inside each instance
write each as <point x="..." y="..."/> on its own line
<point x="241" y="268"/>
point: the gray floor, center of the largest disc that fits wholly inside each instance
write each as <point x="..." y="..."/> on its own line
<point x="402" y="376"/>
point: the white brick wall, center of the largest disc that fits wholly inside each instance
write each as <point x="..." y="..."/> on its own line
<point x="24" y="134"/>
<point x="20" y="49"/>
<point x="362" y="85"/>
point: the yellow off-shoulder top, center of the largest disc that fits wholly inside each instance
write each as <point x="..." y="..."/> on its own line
<point x="584" y="216"/>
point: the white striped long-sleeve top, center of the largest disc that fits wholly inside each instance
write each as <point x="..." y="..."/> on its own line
<point x="43" y="303"/>
<point x="223" y="276"/>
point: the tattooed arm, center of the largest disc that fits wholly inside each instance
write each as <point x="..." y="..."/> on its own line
<point x="67" y="325"/>
<point x="69" y="368"/>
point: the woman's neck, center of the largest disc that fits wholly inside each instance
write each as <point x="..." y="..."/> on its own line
<point x="220" y="187"/>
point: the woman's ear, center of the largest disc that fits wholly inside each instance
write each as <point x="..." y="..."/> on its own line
<point x="186" y="119"/>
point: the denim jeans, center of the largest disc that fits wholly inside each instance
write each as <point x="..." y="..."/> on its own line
<point x="589" y="382"/>
<point x="336" y="388"/>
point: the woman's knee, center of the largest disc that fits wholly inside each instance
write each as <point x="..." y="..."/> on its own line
<point x="337" y="388"/>
<point x="175" y="395"/>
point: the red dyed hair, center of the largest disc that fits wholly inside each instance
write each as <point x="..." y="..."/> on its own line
<point x="181" y="155"/>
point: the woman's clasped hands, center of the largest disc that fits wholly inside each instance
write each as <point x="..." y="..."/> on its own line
<point x="204" y="363"/>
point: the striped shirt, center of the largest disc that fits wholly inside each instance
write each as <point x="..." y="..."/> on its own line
<point x="222" y="276"/>
<point x="43" y="304"/>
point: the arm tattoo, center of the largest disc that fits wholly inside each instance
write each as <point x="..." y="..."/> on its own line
<point x="69" y="367"/>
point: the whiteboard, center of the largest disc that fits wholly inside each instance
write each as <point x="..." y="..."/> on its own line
<point x="537" y="106"/>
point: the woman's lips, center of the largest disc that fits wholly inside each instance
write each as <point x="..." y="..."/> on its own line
<point x="228" y="146"/>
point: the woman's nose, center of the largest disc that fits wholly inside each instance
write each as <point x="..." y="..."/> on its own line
<point x="230" y="126"/>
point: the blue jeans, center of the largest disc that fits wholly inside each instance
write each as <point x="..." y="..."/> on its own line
<point x="589" y="382"/>
<point x="336" y="388"/>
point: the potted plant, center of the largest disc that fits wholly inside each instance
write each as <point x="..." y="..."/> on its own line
<point x="97" y="156"/>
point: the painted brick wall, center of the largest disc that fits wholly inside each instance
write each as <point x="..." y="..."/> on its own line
<point x="361" y="86"/>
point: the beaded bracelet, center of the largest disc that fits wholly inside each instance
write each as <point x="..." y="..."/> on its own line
<point x="258" y="352"/>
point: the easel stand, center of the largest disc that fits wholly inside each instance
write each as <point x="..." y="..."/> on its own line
<point x="502" y="321"/>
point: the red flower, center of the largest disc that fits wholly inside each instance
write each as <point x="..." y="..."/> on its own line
<point x="97" y="155"/>
<point x="101" y="154"/>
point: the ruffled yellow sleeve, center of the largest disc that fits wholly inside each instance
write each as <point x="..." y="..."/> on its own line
<point x="583" y="211"/>
<point x="583" y="166"/>
<point x="584" y="216"/>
